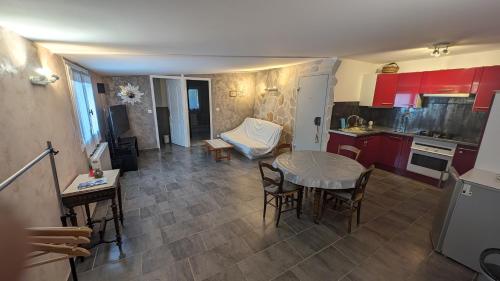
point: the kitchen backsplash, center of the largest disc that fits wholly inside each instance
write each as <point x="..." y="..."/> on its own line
<point x="452" y="116"/>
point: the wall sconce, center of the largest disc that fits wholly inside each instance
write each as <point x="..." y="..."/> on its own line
<point x="44" y="77"/>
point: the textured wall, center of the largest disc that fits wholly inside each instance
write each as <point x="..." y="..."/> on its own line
<point x="280" y="108"/>
<point x="232" y="110"/>
<point x="141" y="122"/>
<point x="29" y="116"/>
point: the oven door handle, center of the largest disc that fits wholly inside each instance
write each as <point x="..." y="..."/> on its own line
<point x="438" y="153"/>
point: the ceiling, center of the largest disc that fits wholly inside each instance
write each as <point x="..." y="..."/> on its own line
<point x="187" y="36"/>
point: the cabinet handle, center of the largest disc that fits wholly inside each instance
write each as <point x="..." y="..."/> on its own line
<point x="387" y="103"/>
<point x="397" y="138"/>
<point x="461" y="150"/>
<point x="482" y="107"/>
<point x="446" y="90"/>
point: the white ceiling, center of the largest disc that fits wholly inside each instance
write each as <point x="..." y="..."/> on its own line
<point x="187" y="36"/>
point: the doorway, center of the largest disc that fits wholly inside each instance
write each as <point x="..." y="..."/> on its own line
<point x="198" y="96"/>
<point x="310" y="114"/>
<point x="172" y="113"/>
<point x="171" y="110"/>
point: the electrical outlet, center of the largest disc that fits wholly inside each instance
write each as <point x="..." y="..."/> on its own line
<point x="466" y="190"/>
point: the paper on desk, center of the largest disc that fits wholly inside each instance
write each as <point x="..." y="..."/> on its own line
<point x="92" y="183"/>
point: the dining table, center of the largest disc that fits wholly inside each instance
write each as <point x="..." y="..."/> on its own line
<point x="319" y="170"/>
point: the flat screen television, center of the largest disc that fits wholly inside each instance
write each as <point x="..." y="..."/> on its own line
<point x="118" y="120"/>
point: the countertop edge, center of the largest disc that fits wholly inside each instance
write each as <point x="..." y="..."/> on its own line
<point x="376" y="131"/>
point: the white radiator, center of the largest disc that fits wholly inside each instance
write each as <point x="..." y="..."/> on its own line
<point x="100" y="158"/>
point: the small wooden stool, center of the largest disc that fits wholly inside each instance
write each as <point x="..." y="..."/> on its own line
<point x="219" y="146"/>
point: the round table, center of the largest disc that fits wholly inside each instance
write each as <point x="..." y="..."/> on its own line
<point x="320" y="170"/>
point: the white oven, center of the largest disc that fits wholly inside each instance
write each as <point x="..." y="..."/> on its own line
<point x="431" y="158"/>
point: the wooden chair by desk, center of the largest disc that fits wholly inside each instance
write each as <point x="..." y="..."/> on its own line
<point x="72" y="197"/>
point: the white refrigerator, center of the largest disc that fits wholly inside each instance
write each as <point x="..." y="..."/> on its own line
<point x="467" y="220"/>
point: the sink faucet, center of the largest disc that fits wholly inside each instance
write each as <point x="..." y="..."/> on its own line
<point x="357" y="123"/>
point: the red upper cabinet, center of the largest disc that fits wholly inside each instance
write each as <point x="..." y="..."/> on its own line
<point x="385" y="90"/>
<point x="489" y="82"/>
<point x="447" y="81"/>
<point x="407" y="90"/>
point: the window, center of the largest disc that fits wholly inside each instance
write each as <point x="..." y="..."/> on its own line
<point x="85" y="107"/>
<point x="194" y="102"/>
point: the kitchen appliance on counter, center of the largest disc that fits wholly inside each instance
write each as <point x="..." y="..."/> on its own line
<point x="466" y="220"/>
<point x="431" y="157"/>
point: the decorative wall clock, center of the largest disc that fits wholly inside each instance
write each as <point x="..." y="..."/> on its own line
<point x="130" y="94"/>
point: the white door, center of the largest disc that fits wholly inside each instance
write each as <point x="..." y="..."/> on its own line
<point x="179" y="122"/>
<point x="309" y="117"/>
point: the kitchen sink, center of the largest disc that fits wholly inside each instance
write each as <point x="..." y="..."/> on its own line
<point x="356" y="130"/>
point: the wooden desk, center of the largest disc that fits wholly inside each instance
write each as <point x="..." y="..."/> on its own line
<point x="72" y="197"/>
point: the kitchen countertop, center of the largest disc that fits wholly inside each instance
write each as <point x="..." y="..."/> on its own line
<point x="482" y="177"/>
<point x="379" y="130"/>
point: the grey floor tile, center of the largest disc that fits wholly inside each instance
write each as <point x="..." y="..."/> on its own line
<point x="177" y="271"/>
<point x="287" y="276"/>
<point x="328" y="264"/>
<point x="359" y="245"/>
<point x="186" y="247"/>
<point x="233" y="273"/>
<point x="312" y="240"/>
<point x="269" y="263"/>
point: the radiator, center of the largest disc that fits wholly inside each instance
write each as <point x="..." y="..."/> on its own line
<point x="100" y="158"/>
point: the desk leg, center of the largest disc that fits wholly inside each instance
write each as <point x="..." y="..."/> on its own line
<point x="72" y="217"/>
<point x="117" y="225"/>
<point x="318" y="195"/>
<point x="89" y="218"/>
<point x="119" y="193"/>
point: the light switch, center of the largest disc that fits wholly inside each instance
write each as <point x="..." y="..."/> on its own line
<point x="150" y="111"/>
<point x="217" y="109"/>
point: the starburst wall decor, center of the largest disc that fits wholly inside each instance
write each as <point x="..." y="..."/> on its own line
<point x="130" y="94"/>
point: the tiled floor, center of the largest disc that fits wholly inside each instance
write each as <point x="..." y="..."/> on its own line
<point x="190" y="218"/>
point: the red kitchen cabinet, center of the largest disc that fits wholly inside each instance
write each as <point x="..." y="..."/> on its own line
<point x="339" y="139"/>
<point x="385" y="90"/>
<point x="404" y="154"/>
<point x="390" y="149"/>
<point x="489" y="82"/>
<point x="369" y="146"/>
<point x="407" y="90"/>
<point x="447" y="81"/>
<point x="464" y="158"/>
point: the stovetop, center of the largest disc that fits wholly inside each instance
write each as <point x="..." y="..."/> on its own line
<point x="434" y="134"/>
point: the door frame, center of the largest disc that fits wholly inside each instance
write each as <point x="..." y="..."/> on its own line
<point x="327" y="96"/>
<point x="209" y="99"/>
<point x="185" y="104"/>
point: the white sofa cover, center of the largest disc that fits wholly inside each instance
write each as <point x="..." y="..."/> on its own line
<point x="254" y="137"/>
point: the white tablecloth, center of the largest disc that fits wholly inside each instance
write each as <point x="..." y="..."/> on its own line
<point x="319" y="169"/>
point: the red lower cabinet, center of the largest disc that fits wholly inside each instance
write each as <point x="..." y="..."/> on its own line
<point x="390" y="147"/>
<point x="369" y="149"/>
<point x="464" y="158"/>
<point x="339" y="139"/>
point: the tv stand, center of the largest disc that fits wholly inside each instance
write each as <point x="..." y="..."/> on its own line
<point x="124" y="154"/>
<point x="129" y="141"/>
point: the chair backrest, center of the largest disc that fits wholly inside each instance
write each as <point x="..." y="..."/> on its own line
<point x="359" y="190"/>
<point x="354" y="151"/>
<point x="266" y="181"/>
<point x="283" y="146"/>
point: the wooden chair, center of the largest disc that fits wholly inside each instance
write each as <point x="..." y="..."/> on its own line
<point x="284" y="146"/>
<point x="352" y="197"/>
<point x="278" y="189"/>
<point x="353" y="152"/>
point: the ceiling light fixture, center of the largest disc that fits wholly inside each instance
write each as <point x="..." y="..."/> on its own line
<point x="439" y="49"/>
